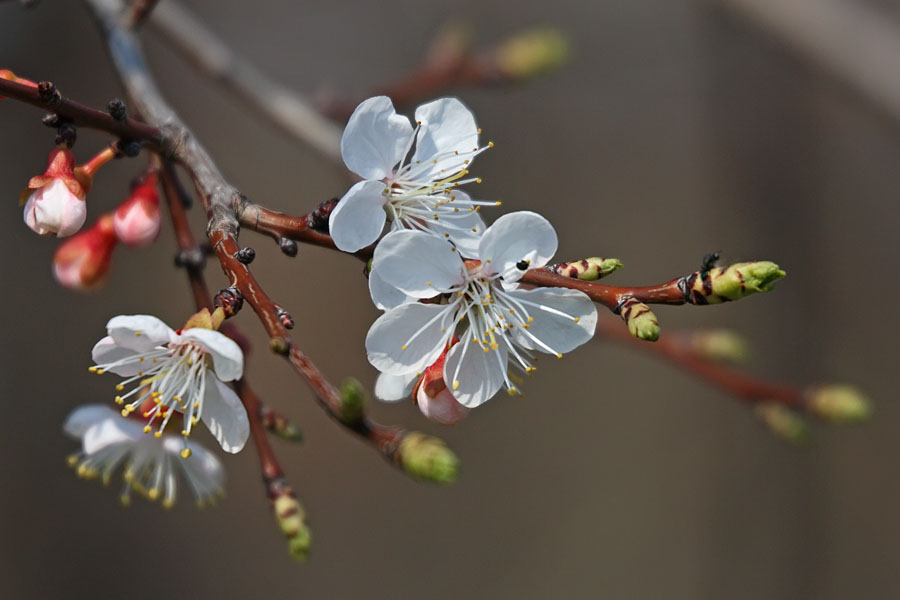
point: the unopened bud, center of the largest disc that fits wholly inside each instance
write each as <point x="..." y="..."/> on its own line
<point x="246" y="255"/>
<point x="280" y="425"/>
<point x="137" y="220"/>
<point x="318" y="218"/>
<point x="838" y="403"/>
<point x="734" y="282"/>
<point x="720" y="345"/>
<point x="288" y="247"/>
<point x="291" y="520"/>
<point x="353" y="401"/>
<point x="641" y="321"/>
<point x="783" y="422"/>
<point x="82" y="262"/>
<point x="428" y="458"/>
<point x="54" y="201"/>
<point x="117" y="109"/>
<point x="532" y="53"/>
<point x="588" y="269"/>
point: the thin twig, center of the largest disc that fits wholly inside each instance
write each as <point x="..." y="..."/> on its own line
<point x="290" y="112"/>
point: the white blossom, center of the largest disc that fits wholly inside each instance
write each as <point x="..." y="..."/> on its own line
<point x="149" y="465"/>
<point x="499" y="324"/>
<point x="176" y="374"/>
<point x="418" y="191"/>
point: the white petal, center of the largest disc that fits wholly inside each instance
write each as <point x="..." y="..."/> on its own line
<point x="418" y="264"/>
<point x="396" y="327"/>
<point x="228" y="359"/>
<point x="375" y="138"/>
<point x="86" y="416"/>
<point x="225" y="416"/>
<point x="480" y="375"/>
<point x="109" y="432"/>
<point x="359" y="217"/>
<point x="201" y="467"/>
<point x="560" y="333"/>
<point x="384" y="295"/>
<point x="108" y="351"/>
<point x="516" y="237"/>
<point x="447" y="126"/>
<point x="465" y="227"/>
<point x="139" y="332"/>
<point x="392" y="388"/>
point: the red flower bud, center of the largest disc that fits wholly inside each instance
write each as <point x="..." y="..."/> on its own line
<point x="54" y="201"/>
<point x="137" y="220"/>
<point x="82" y="262"/>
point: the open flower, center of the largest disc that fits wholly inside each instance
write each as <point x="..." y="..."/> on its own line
<point x="54" y="202"/>
<point x="418" y="192"/>
<point x="479" y="300"/>
<point x="182" y="373"/>
<point x="150" y="465"/>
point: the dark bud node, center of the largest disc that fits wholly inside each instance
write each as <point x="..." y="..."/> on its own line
<point x="66" y="134"/>
<point x="117" y="109"/>
<point x="48" y="93"/>
<point x="230" y="300"/>
<point x="246" y="255"/>
<point x="709" y="261"/>
<point x="287" y="321"/>
<point x="129" y="148"/>
<point x="318" y="219"/>
<point x="522" y="265"/>
<point x="287" y="246"/>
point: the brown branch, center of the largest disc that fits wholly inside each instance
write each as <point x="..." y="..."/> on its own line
<point x="746" y="388"/>
<point x="80" y="114"/>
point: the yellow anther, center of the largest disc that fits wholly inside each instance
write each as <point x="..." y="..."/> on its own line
<point x="498" y="203"/>
<point x="427" y="283"/>
<point x="120" y="387"/>
<point x="72" y="460"/>
<point x="455" y="384"/>
<point x="125" y="499"/>
<point x="490" y="144"/>
<point x="100" y="371"/>
<point x="146" y="429"/>
<point x="559" y="355"/>
<point x="478" y="180"/>
<point x="124" y="412"/>
<point x="435" y="161"/>
<point x="577" y="319"/>
<point x="530" y="319"/>
<point x="141" y="359"/>
<point x="119" y="400"/>
<point x="153" y="494"/>
<point x="186" y="453"/>
<point x="495" y="346"/>
<point x="137" y="333"/>
<point x="512" y="391"/>
<point x="185" y="432"/>
<point x="479" y="131"/>
<point x="157" y="434"/>
<point x="92" y="369"/>
<point x="403" y="347"/>
<point x="168" y="503"/>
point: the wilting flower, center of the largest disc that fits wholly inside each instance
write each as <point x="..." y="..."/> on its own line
<point x="478" y="300"/>
<point x="428" y="391"/>
<point x="182" y="373"/>
<point x="54" y="202"/>
<point x="150" y="465"/>
<point x="82" y="262"/>
<point x="417" y="192"/>
<point x="137" y="220"/>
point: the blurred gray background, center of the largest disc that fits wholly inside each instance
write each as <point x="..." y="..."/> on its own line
<point x="678" y="128"/>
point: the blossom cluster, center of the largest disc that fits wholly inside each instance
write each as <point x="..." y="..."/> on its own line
<point x="457" y="325"/>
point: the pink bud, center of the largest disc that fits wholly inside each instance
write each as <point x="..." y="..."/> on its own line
<point x="137" y="220"/>
<point x="432" y="396"/>
<point x="82" y="262"/>
<point x="54" y="201"/>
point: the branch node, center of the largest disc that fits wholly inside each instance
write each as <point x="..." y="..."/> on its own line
<point x="245" y="255"/>
<point x="129" y="148"/>
<point x="280" y="345"/>
<point x="318" y="218"/>
<point x="66" y="134"/>
<point x="117" y="109"/>
<point x="289" y="247"/>
<point x="48" y="93"/>
<point x="230" y="300"/>
<point x="287" y="321"/>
